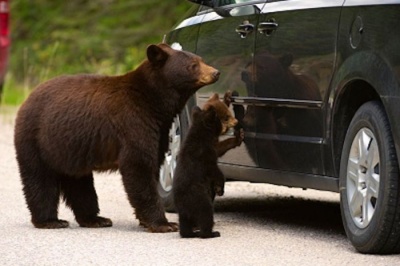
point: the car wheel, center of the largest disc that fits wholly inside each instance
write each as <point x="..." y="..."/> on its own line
<point x="168" y="167"/>
<point x="369" y="183"/>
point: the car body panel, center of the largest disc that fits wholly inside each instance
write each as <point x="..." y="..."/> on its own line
<point x="297" y="71"/>
<point x="290" y="135"/>
<point x="368" y="50"/>
<point x="230" y="53"/>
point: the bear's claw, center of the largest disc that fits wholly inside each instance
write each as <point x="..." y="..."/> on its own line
<point x="96" y="222"/>
<point x="51" y="224"/>
<point x="165" y="228"/>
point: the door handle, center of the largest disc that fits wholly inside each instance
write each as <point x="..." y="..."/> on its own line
<point x="245" y="29"/>
<point x="267" y="27"/>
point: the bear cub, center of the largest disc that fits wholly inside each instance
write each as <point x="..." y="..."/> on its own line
<point x="197" y="178"/>
<point x="228" y="121"/>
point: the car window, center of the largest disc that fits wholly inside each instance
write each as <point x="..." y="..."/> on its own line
<point x="221" y="3"/>
<point x="234" y="2"/>
<point x="234" y="7"/>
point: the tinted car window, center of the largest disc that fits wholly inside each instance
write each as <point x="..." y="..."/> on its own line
<point x="226" y="41"/>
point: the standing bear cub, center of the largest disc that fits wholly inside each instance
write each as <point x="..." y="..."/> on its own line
<point x="73" y="125"/>
<point x="197" y="178"/>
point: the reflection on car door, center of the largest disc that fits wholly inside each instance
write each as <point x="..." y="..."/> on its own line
<point x="294" y="60"/>
<point x="226" y="41"/>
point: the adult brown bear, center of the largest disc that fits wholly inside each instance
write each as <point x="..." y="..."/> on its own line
<point x="73" y="125"/>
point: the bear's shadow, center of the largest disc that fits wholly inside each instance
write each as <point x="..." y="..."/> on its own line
<point x="285" y="211"/>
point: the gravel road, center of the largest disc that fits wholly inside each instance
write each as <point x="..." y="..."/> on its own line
<point x="259" y="224"/>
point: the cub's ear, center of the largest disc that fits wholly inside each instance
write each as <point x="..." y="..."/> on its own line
<point x="211" y="120"/>
<point x="156" y="55"/>
<point x="210" y="101"/>
<point x="195" y="112"/>
<point x="211" y="113"/>
<point x="214" y="97"/>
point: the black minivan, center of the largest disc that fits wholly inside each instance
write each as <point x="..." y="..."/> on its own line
<point x="316" y="91"/>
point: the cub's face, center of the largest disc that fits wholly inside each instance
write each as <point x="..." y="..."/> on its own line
<point x="208" y="118"/>
<point x="222" y="109"/>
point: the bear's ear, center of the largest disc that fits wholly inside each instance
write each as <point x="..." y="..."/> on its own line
<point x="195" y="112"/>
<point x="228" y="98"/>
<point x="211" y="114"/>
<point x="164" y="46"/>
<point x="214" y="97"/>
<point x="286" y="60"/>
<point x="156" y="55"/>
<point x="211" y="120"/>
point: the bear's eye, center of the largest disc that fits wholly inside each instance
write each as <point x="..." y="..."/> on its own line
<point x="194" y="66"/>
<point x="226" y="118"/>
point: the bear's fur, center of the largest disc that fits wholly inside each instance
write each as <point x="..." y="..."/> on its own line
<point x="197" y="178"/>
<point x="227" y="120"/>
<point x="73" y="125"/>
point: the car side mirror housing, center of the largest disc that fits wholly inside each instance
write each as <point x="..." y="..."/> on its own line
<point x="228" y="12"/>
<point x="210" y="3"/>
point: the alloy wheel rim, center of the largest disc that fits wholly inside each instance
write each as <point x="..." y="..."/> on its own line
<point x="363" y="177"/>
<point x="168" y="167"/>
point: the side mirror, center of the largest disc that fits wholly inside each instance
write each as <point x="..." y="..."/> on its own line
<point x="210" y="3"/>
<point x="237" y="11"/>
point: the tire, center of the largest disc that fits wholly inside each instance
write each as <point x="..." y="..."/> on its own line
<point x="168" y="167"/>
<point x="369" y="183"/>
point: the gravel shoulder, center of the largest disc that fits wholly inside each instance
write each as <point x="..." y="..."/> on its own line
<point x="260" y="224"/>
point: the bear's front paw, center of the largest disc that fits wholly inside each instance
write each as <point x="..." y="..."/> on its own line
<point x="228" y="98"/>
<point x="164" y="228"/>
<point x="51" y="224"/>
<point x="219" y="190"/>
<point x="239" y="134"/>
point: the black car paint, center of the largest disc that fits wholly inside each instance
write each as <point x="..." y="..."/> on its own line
<point x="352" y="45"/>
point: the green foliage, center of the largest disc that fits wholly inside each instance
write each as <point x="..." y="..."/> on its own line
<point x="54" y="37"/>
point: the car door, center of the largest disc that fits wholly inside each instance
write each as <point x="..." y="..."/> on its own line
<point x="293" y="67"/>
<point x="226" y="41"/>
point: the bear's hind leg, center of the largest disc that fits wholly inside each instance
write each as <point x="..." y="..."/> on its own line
<point x="42" y="194"/>
<point x="186" y="226"/>
<point x="140" y="184"/>
<point x="80" y="195"/>
<point x="206" y="222"/>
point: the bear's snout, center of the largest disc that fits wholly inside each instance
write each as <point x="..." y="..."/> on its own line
<point x="233" y="122"/>
<point x="213" y="75"/>
<point x="216" y="74"/>
<point x="208" y="74"/>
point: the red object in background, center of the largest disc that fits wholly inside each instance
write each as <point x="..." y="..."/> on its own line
<point x="4" y="39"/>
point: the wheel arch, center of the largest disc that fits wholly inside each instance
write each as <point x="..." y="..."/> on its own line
<point x="354" y="94"/>
<point x="361" y="77"/>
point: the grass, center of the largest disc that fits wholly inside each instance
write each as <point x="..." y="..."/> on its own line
<point x="15" y="90"/>
<point x="55" y="37"/>
<point x="13" y="94"/>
